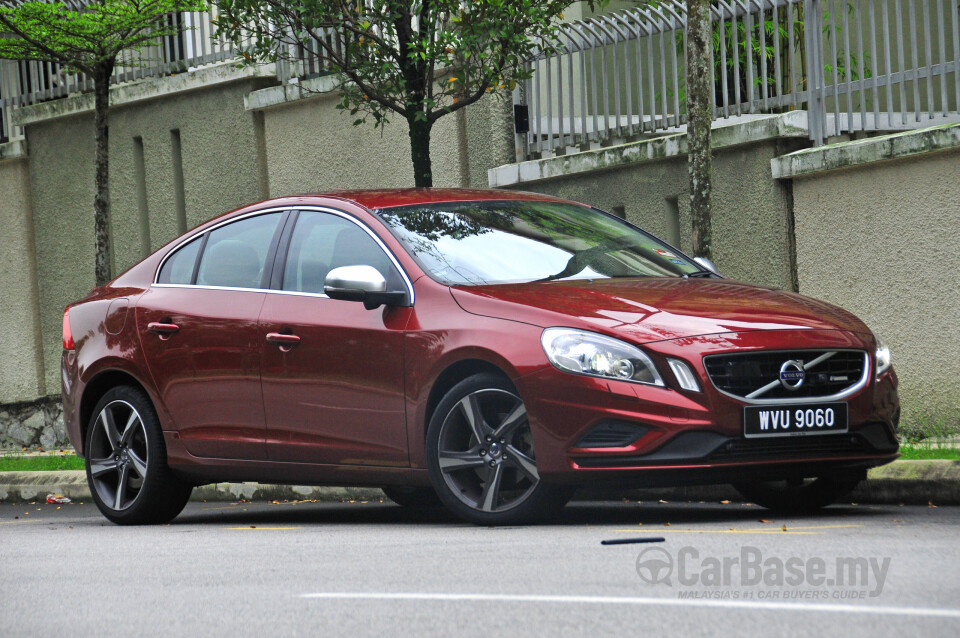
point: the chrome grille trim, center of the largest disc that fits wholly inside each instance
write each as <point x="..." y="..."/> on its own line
<point x="846" y="392"/>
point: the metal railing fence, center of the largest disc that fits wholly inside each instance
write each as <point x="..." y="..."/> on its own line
<point x="30" y="82"/>
<point x="854" y="65"/>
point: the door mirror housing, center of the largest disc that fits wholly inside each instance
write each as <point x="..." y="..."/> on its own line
<point x="360" y="283"/>
<point x="706" y="264"/>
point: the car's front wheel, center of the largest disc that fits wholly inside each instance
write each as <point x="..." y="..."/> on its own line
<point x="796" y="497"/>
<point x="481" y="458"/>
<point x="126" y="461"/>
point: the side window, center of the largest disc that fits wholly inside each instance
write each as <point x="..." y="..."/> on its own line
<point x="178" y="268"/>
<point x="322" y="242"/>
<point x="235" y="254"/>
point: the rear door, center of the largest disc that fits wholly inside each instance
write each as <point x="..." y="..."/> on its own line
<point x="198" y="330"/>
<point x="333" y="386"/>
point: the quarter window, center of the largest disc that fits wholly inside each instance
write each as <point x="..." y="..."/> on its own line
<point x="235" y="254"/>
<point x="322" y="242"/>
<point x="178" y="269"/>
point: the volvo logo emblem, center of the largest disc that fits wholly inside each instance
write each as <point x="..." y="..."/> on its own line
<point x="792" y="374"/>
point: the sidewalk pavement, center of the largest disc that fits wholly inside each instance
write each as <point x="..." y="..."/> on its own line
<point x="907" y="482"/>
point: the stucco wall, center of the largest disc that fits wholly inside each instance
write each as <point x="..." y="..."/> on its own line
<point x="221" y="171"/>
<point x="751" y="211"/>
<point x="20" y="356"/>
<point x="882" y="241"/>
<point x="312" y="146"/>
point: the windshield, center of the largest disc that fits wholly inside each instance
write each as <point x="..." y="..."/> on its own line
<point x="491" y="242"/>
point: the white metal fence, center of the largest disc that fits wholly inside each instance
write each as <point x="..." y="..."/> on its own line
<point x="855" y="65"/>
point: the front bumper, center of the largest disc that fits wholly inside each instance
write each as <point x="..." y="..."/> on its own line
<point x="697" y="437"/>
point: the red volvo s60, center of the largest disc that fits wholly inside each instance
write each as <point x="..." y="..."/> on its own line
<point x="494" y="349"/>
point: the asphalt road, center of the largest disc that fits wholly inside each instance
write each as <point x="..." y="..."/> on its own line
<point x="375" y="569"/>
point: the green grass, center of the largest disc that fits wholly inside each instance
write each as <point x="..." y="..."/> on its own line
<point x="924" y="452"/>
<point x="53" y="462"/>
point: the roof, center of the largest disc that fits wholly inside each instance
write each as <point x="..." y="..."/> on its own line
<point x="385" y="198"/>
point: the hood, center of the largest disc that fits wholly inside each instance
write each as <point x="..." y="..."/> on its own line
<point x="649" y="309"/>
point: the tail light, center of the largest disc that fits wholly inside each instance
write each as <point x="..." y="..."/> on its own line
<point x="67" y="334"/>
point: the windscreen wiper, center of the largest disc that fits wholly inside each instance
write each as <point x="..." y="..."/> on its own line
<point x="702" y="274"/>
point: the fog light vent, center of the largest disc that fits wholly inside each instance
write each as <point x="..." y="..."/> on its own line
<point x="612" y="434"/>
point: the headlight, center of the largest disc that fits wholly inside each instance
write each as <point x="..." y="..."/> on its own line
<point x="596" y="355"/>
<point x="884" y="358"/>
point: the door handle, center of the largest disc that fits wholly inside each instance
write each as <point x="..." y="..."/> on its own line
<point x="282" y="340"/>
<point x="162" y="329"/>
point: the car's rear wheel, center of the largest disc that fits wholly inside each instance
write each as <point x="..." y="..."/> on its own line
<point x="126" y="461"/>
<point x="798" y="496"/>
<point x="413" y="497"/>
<point x="481" y="458"/>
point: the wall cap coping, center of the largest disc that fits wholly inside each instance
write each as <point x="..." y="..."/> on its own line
<point x="867" y="151"/>
<point x="142" y="90"/>
<point x="286" y="93"/>
<point x="14" y="150"/>
<point x="725" y="135"/>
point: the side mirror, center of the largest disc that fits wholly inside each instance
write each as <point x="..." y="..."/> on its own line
<point x="706" y="264"/>
<point x="360" y="283"/>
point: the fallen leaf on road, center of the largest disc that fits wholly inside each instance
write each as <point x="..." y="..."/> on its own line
<point x="930" y="504"/>
<point x="783" y="529"/>
<point x="667" y="524"/>
<point x="662" y="501"/>
<point x="763" y="520"/>
<point x="724" y="502"/>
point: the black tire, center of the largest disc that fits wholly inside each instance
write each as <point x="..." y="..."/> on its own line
<point x="419" y="498"/>
<point x="796" y="497"/>
<point x="134" y="456"/>
<point x="464" y="486"/>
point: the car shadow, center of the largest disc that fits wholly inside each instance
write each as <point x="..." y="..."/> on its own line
<point x="649" y="513"/>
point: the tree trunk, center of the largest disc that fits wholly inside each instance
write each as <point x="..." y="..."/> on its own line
<point x="101" y="200"/>
<point x="699" y="87"/>
<point x="420" y="152"/>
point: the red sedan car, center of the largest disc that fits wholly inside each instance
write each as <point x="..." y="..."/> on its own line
<point x="492" y="349"/>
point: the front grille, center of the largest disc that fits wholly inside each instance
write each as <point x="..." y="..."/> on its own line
<point x="743" y="373"/>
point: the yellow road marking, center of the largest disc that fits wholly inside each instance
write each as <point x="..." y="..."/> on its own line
<point x="18" y="522"/>
<point x="714" y="531"/>
<point x="803" y="530"/>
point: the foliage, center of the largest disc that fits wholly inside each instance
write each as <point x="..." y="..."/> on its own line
<point x="86" y="38"/>
<point x="731" y="42"/>
<point x="419" y="59"/>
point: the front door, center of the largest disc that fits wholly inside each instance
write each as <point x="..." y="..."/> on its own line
<point x="332" y="371"/>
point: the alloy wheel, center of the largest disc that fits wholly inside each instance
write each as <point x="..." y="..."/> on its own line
<point x="485" y="451"/>
<point x="119" y="453"/>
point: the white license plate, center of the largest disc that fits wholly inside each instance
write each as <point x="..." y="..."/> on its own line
<point x="794" y="420"/>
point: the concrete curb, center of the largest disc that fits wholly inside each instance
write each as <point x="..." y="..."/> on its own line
<point x="907" y="482"/>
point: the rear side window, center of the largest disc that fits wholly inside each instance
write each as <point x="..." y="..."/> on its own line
<point x="235" y="254"/>
<point x="178" y="269"/>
